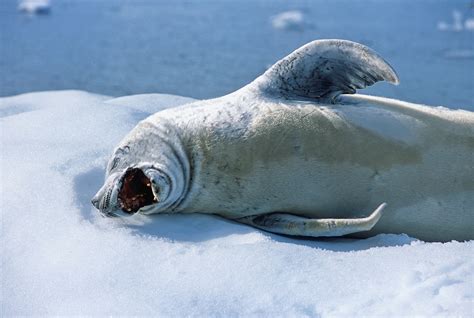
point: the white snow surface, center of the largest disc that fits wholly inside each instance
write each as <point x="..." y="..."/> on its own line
<point x="59" y="257"/>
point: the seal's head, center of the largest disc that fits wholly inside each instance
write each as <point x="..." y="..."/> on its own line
<point x="147" y="173"/>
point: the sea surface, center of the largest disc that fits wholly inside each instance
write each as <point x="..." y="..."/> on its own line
<point x="205" y="49"/>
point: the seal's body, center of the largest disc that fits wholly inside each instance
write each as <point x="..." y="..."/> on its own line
<point x="289" y="155"/>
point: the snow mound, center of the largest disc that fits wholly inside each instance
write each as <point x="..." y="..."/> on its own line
<point x="289" y="20"/>
<point x="59" y="257"/>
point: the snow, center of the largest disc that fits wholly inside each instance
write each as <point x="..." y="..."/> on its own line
<point x="59" y="257"/>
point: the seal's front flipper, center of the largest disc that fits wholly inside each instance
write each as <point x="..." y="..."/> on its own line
<point x="296" y="225"/>
<point x="324" y="69"/>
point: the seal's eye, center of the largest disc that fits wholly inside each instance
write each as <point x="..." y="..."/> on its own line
<point x="136" y="191"/>
<point x="114" y="163"/>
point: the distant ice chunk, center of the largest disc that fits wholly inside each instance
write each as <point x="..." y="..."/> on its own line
<point x="35" y="6"/>
<point x="458" y="24"/>
<point x="457" y="18"/>
<point x="443" y="26"/>
<point x="459" y="54"/>
<point x="289" y="20"/>
<point x="469" y="24"/>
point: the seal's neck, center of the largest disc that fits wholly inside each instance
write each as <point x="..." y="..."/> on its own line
<point x="168" y="157"/>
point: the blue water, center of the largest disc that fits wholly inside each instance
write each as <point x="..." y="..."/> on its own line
<point x="205" y="49"/>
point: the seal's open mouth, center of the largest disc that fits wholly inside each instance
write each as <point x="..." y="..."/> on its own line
<point x="136" y="191"/>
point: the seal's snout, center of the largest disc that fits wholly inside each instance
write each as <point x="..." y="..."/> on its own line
<point x="125" y="193"/>
<point x="136" y="191"/>
<point x="102" y="200"/>
<point x="95" y="201"/>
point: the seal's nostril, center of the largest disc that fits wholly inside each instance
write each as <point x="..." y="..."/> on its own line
<point x="95" y="202"/>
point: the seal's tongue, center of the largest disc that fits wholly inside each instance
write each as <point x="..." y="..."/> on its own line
<point x="136" y="191"/>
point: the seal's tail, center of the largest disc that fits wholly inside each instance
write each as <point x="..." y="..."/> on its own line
<point x="324" y="69"/>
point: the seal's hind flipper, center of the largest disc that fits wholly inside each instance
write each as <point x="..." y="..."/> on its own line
<point x="300" y="226"/>
<point x="324" y="69"/>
